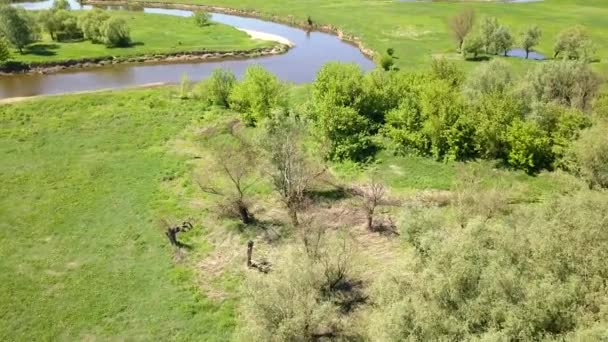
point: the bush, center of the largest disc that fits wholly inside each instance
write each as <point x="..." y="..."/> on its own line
<point x="529" y="146"/>
<point x="217" y="88"/>
<point x="91" y="24"/>
<point x="447" y="71"/>
<point x="202" y="18"/>
<point x="115" y="33"/>
<point x="589" y="155"/>
<point x="257" y="95"/>
<point x="61" y="5"/>
<point x="494" y="77"/>
<point x="66" y="26"/>
<point x="473" y="45"/>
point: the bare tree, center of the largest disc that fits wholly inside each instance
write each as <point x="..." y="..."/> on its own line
<point x="373" y="194"/>
<point x="234" y="166"/>
<point x="461" y="24"/>
<point x="172" y="231"/>
<point x="292" y="174"/>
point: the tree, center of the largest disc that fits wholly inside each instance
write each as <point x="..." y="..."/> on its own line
<point x="16" y="27"/>
<point x="202" y="18"/>
<point x="61" y="24"/>
<point x="231" y="176"/>
<point x="488" y="29"/>
<point x="91" y="24"/>
<point x="570" y="83"/>
<point x="292" y="173"/>
<point x="217" y="88"/>
<point x="257" y="95"/>
<point x="5" y="52"/>
<point x="492" y="77"/>
<point x="530" y="38"/>
<point x="503" y="40"/>
<point x="529" y="146"/>
<point x="461" y="24"/>
<point x="61" y="5"/>
<point x="448" y="71"/>
<point x="574" y="43"/>
<point x="373" y="194"/>
<point x="589" y="155"/>
<point x="473" y="45"/>
<point x="115" y="32"/>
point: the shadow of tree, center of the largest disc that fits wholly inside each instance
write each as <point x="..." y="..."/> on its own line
<point x="42" y="49"/>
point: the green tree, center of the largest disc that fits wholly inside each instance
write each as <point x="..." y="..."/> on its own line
<point x="217" y="88"/>
<point x="116" y="33"/>
<point x="257" y="95"/>
<point x="589" y="155"/>
<point x="202" y="18"/>
<point x="488" y="29"/>
<point x="473" y="45"/>
<point x="91" y="24"/>
<point x="461" y="24"/>
<point x="570" y="83"/>
<point x="529" y="146"/>
<point x="503" y="40"/>
<point x="492" y="77"/>
<point x="5" y="52"/>
<point x="448" y="71"/>
<point x="61" y="5"/>
<point x="530" y="38"/>
<point x="65" y="25"/>
<point x="16" y="27"/>
<point x="574" y="43"/>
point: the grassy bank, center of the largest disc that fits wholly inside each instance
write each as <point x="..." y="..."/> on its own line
<point x="151" y="34"/>
<point x="418" y="31"/>
<point x="86" y="179"/>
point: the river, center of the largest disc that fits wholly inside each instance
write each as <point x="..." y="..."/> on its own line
<point x="300" y="65"/>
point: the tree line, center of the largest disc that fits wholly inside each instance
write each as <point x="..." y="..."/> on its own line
<point x="492" y="37"/>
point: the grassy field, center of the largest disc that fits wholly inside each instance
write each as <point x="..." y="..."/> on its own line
<point x="85" y="180"/>
<point x="151" y="34"/>
<point x="418" y="31"/>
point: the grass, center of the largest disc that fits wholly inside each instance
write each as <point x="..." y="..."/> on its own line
<point x="418" y="31"/>
<point x="151" y="34"/>
<point x="86" y="178"/>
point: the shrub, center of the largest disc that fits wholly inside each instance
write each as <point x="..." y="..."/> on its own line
<point x="387" y="62"/>
<point x="61" y="5"/>
<point x="66" y="26"/>
<point x="185" y="86"/>
<point x="529" y="146"/>
<point x="257" y="94"/>
<point x="494" y="77"/>
<point x="217" y="88"/>
<point x="115" y="33"/>
<point x="589" y="155"/>
<point x="473" y="45"/>
<point x="202" y="18"/>
<point x="448" y="71"/>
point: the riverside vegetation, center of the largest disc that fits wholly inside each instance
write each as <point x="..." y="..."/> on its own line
<point x="454" y="200"/>
<point x="386" y="206"/>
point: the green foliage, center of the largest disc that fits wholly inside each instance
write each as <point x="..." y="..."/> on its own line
<point x="257" y="95"/>
<point x="61" y="24"/>
<point x="91" y="23"/>
<point x="60" y="5"/>
<point x="115" y="32"/>
<point x="530" y="38"/>
<point x="503" y="40"/>
<point x="529" y="146"/>
<point x="570" y="83"/>
<point x="448" y="71"/>
<point x="217" y="88"/>
<point x="588" y="156"/>
<point x="5" y="52"/>
<point x="17" y="27"/>
<point x="494" y="77"/>
<point x="387" y="62"/>
<point x="488" y="29"/>
<point x="185" y="87"/>
<point x="202" y="18"/>
<point x="473" y="45"/>
<point x="574" y="43"/>
<point x="501" y="279"/>
<point x="339" y="85"/>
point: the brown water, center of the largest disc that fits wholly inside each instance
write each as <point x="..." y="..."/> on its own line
<point x="299" y="65"/>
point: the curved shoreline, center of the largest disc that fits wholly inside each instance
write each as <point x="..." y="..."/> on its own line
<point x="289" y="20"/>
<point x="52" y="67"/>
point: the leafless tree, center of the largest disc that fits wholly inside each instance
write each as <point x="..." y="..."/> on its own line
<point x="234" y="166"/>
<point x="173" y="230"/>
<point x="292" y="173"/>
<point x="373" y="194"/>
<point x="461" y="24"/>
